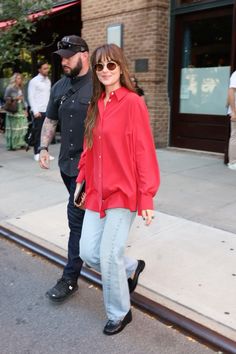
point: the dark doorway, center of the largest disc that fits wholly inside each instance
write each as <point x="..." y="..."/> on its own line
<point x="50" y="30"/>
<point x="202" y="65"/>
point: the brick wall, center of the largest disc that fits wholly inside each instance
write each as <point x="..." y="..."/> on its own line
<point x="146" y="31"/>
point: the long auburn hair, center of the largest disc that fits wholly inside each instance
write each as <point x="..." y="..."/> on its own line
<point x="105" y="52"/>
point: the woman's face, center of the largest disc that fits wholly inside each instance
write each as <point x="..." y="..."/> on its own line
<point x="18" y="79"/>
<point x="134" y="82"/>
<point x="108" y="73"/>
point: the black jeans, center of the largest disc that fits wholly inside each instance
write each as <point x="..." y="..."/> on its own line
<point x="75" y="220"/>
<point x="37" y="127"/>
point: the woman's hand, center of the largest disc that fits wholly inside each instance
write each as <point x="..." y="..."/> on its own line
<point x="148" y="215"/>
<point x="19" y="98"/>
<point x="81" y="204"/>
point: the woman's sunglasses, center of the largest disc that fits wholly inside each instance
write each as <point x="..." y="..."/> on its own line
<point x="111" y="65"/>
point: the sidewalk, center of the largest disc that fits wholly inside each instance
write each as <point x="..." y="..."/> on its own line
<point x="190" y="249"/>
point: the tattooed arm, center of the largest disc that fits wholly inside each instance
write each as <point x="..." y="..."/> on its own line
<point x="48" y="131"/>
<point x="47" y="134"/>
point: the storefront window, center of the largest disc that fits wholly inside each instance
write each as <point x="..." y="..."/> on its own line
<point x="205" y="66"/>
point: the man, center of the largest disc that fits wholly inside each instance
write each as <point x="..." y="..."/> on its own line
<point x="38" y="97"/>
<point x="232" y="113"/>
<point x="68" y="104"/>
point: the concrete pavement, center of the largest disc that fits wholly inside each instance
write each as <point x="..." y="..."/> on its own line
<point x="30" y="324"/>
<point x="190" y="249"/>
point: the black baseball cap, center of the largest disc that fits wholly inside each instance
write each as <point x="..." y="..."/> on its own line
<point x="70" y="45"/>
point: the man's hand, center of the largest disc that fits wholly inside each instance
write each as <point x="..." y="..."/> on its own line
<point x="44" y="159"/>
<point x="148" y="215"/>
<point x="37" y="115"/>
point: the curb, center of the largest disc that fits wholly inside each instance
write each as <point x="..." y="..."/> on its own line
<point x="205" y="335"/>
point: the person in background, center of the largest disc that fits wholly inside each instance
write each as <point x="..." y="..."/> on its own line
<point x="68" y="103"/>
<point x="232" y="114"/>
<point x="16" y="124"/>
<point x="137" y="88"/>
<point x="38" y="97"/>
<point x="121" y="174"/>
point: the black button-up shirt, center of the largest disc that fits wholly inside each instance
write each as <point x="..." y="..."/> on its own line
<point x="71" y="114"/>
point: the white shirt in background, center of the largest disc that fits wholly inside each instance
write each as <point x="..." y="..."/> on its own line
<point x="232" y="84"/>
<point x="38" y="93"/>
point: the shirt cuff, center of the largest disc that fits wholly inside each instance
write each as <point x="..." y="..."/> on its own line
<point x="145" y="203"/>
<point x="81" y="177"/>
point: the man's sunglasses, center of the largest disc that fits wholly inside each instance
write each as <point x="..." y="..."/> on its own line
<point x="111" y="65"/>
<point x="68" y="45"/>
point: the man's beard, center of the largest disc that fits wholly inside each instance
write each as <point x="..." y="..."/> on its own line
<point x="76" y="70"/>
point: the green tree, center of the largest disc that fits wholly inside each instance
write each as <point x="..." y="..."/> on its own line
<point x="16" y="38"/>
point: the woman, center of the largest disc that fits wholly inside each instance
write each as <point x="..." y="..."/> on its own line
<point x="137" y="88"/>
<point x="16" y="122"/>
<point x="120" y="169"/>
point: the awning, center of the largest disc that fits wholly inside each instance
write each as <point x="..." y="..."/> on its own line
<point x="34" y="16"/>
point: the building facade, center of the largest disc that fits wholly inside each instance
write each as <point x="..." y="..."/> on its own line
<point x="181" y="51"/>
<point x="145" y="33"/>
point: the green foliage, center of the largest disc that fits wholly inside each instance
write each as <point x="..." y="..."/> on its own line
<point x="15" y="39"/>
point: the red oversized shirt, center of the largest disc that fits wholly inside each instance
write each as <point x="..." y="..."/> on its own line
<point x="121" y="168"/>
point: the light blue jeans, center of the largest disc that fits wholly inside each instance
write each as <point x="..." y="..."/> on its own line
<point x="102" y="246"/>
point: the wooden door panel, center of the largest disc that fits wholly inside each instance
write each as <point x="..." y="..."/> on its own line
<point x="199" y="144"/>
<point x="201" y="131"/>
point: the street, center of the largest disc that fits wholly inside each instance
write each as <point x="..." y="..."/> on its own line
<point x="30" y="324"/>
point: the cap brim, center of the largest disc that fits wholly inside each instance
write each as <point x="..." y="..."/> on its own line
<point x="65" y="53"/>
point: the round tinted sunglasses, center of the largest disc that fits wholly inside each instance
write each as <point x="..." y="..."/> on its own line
<point x="111" y="65"/>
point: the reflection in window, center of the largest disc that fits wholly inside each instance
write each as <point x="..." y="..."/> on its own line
<point x="205" y="66"/>
<point x="204" y="90"/>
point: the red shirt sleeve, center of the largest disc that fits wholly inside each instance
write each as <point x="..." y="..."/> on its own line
<point x="147" y="169"/>
<point x="81" y="166"/>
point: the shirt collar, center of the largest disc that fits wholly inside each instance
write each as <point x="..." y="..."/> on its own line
<point x="119" y="93"/>
<point x="83" y="78"/>
<point x="41" y="77"/>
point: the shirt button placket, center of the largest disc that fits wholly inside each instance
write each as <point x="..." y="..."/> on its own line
<point x="100" y="166"/>
<point x="71" y="137"/>
<point x="100" y="159"/>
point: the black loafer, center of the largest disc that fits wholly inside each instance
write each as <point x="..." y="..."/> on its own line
<point x="63" y="289"/>
<point x="132" y="282"/>
<point x="113" y="327"/>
